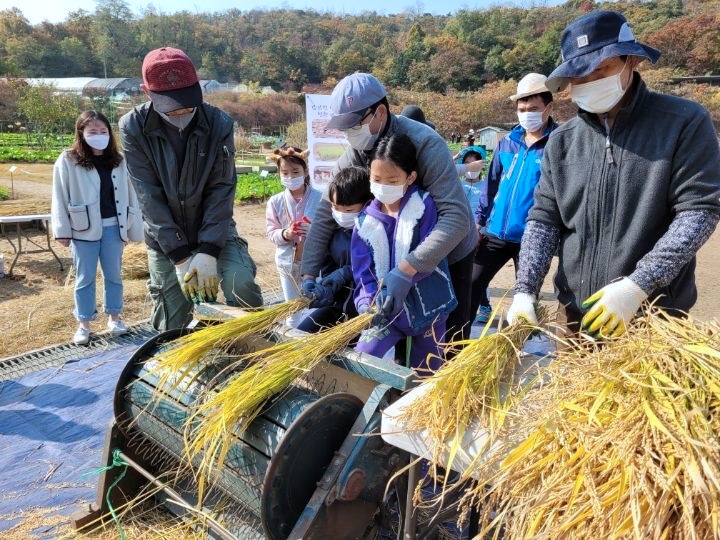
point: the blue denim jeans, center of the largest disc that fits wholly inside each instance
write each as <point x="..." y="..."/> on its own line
<point x="108" y="251"/>
<point x="236" y="271"/>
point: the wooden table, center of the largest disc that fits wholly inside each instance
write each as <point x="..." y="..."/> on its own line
<point x="7" y="222"/>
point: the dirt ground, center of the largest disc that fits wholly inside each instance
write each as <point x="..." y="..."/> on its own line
<point x="36" y="302"/>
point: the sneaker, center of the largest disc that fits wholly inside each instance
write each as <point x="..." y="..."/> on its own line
<point x="82" y="336"/>
<point x="117" y="328"/>
<point x="483" y="314"/>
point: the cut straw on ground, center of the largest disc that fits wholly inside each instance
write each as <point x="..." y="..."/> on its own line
<point x="24" y="207"/>
<point x="134" y="261"/>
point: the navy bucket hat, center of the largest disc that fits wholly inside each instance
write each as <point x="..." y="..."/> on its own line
<point x="592" y="39"/>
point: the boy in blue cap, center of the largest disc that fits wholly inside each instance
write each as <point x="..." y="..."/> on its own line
<point x="629" y="190"/>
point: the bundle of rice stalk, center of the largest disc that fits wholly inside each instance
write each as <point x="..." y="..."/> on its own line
<point x="266" y="373"/>
<point x="24" y="207"/>
<point x="475" y="384"/>
<point x="627" y="443"/>
<point x="180" y="363"/>
<point x="134" y="261"/>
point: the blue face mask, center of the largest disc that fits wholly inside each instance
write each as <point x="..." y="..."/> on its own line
<point x="180" y="121"/>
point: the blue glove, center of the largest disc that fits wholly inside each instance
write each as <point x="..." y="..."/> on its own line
<point x="378" y="317"/>
<point x="307" y="288"/>
<point x="337" y="279"/>
<point x="396" y="287"/>
<point x="323" y="297"/>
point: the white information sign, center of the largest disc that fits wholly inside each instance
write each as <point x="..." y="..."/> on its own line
<point x="325" y="146"/>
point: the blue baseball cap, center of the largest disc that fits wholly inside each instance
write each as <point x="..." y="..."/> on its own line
<point x="351" y="97"/>
<point x="471" y="150"/>
<point x="592" y="39"/>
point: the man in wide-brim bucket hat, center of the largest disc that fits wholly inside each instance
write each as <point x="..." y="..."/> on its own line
<point x="592" y="39"/>
<point x="628" y="191"/>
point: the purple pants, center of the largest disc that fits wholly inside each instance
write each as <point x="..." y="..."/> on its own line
<point x="426" y="353"/>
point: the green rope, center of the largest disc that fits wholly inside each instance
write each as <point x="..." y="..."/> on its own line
<point x="408" y="343"/>
<point x="117" y="461"/>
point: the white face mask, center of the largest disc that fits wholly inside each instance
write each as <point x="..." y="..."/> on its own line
<point x="296" y="182"/>
<point x="180" y="121"/>
<point x="362" y="139"/>
<point x="599" y="96"/>
<point x="472" y="175"/>
<point x="531" y="121"/>
<point x="387" y="194"/>
<point x="97" y="142"/>
<point x="345" y="219"/>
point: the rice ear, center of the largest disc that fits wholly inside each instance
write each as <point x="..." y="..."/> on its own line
<point x="622" y="442"/>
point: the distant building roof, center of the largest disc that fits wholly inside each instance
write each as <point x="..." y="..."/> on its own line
<point x="66" y="84"/>
<point x="209" y="85"/>
<point x="128" y="85"/>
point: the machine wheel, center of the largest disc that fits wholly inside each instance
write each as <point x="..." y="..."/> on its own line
<point x="301" y="459"/>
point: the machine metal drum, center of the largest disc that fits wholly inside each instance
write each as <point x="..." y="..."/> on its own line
<point x="307" y="467"/>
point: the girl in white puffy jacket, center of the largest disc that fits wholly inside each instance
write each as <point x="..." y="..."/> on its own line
<point x="288" y="216"/>
<point x="95" y="210"/>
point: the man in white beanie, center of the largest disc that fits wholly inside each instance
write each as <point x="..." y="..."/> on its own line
<point x="507" y="194"/>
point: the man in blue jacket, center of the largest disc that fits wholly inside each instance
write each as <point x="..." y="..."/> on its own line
<point x="507" y="195"/>
<point x="629" y="191"/>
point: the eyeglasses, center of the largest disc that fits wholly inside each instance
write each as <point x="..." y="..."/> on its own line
<point x="362" y="119"/>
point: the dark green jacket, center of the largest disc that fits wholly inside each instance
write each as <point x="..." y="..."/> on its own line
<point x="187" y="207"/>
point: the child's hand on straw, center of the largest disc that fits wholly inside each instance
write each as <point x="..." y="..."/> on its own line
<point x="307" y="288"/>
<point x="323" y="296"/>
<point x="396" y="286"/>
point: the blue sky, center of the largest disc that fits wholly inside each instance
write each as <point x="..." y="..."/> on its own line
<point x="57" y="10"/>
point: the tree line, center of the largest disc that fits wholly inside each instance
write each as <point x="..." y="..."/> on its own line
<point x="293" y="49"/>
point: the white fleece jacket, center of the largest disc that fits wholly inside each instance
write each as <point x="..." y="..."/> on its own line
<point x="75" y="211"/>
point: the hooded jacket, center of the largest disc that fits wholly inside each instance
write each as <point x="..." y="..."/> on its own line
<point x="380" y="242"/>
<point x="188" y="206"/>
<point x="507" y="195"/>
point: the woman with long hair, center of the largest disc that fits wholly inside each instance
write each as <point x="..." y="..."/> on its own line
<point x="95" y="211"/>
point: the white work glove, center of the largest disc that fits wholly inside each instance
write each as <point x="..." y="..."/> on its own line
<point x="611" y="308"/>
<point x="522" y="307"/>
<point x="201" y="279"/>
<point x="180" y="271"/>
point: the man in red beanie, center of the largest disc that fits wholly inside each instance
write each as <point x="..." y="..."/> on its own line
<point x="180" y="153"/>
